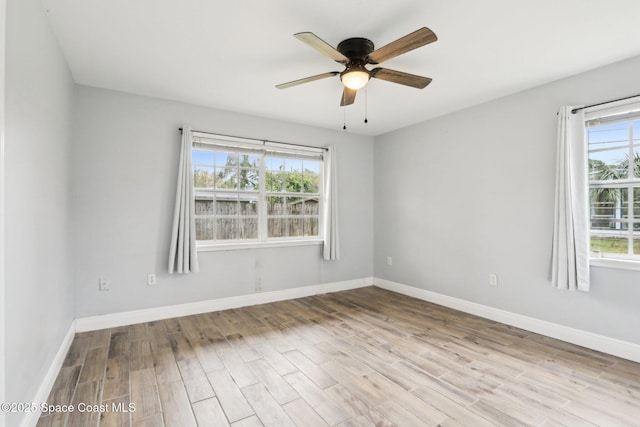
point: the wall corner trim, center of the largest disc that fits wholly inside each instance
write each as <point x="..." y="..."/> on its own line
<point x="113" y="320"/>
<point x="613" y="346"/>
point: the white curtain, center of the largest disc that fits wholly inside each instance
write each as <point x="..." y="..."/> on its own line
<point x="570" y="252"/>
<point x="330" y="215"/>
<point x="183" y="257"/>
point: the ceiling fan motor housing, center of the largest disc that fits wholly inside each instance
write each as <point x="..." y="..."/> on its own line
<point x="356" y="49"/>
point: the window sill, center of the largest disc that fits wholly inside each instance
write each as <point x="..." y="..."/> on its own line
<point x="256" y="245"/>
<point x="620" y="264"/>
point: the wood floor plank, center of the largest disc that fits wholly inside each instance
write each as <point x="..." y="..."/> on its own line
<point x="238" y="368"/>
<point x="158" y="337"/>
<point x="354" y="358"/>
<point x="95" y="364"/>
<point x="116" y="380"/>
<point x="275" y="358"/>
<point x="64" y="386"/>
<point x="118" y="344"/>
<point x="181" y="346"/>
<point x="207" y="355"/>
<point x="176" y="409"/>
<point x="318" y="399"/>
<point x="361" y="411"/>
<point x="302" y="414"/>
<point x="165" y="365"/>
<point x="351" y="423"/>
<point x="359" y="385"/>
<point x="274" y="383"/>
<point x="171" y="326"/>
<point x="251" y="421"/>
<point x="456" y="413"/>
<point x="86" y="401"/>
<point x="138" y="332"/>
<point x="99" y="338"/>
<point x="494" y="415"/>
<point x="195" y="380"/>
<point x="152" y="421"/>
<point x="192" y="328"/>
<point x="209" y="413"/>
<point x="214" y="337"/>
<point x="402" y="399"/>
<point x="140" y="355"/>
<point x="117" y="413"/>
<point x="221" y="320"/>
<point x="528" y="411"/>
<point x="52" y="420"/>
<point x="231" y="399"/>
<point x="144" y="393"/>
<point x="267" y="409"/>
<point x="77" y="351"/>
<point x="350" y="363"/>
<point x="320" y="377"/>
<point x="242" y="348"/>
<point x="400" y="416"/>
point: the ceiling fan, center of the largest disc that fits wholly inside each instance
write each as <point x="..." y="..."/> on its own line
<point x="355" y="53"/>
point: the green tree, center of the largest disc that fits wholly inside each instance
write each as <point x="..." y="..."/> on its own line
<point x="607" y="203"/>
<point x="293" y="182"/>
<point x="202" y="179"/>
<point x="600" y="171"/>
<point x="241" y="168"/>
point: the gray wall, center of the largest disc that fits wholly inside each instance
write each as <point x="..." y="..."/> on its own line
<point x="39" y="285"/>
<point x="124" y="168"/>
<point x="471" y="193"/>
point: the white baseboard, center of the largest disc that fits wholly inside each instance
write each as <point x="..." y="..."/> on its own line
<point x="93" y="323"/>
<point x="624" y="349"/>
<point x="31" y="418"/>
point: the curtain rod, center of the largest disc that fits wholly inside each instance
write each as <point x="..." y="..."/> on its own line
<point x="575" y="110"/>
<point x="263" y="140"/>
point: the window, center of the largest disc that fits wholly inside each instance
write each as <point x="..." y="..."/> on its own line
<point x="253" y="192"/>
<point x="614" y="184"/>
<point x="293" y="196"/>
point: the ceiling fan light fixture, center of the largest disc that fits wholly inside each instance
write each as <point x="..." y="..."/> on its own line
<point x="357" y="52"/>
<point x="355" y="77"/>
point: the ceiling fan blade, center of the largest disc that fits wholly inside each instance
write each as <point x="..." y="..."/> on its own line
<point x="323" y="47"/>
<point x="404" y="44"/>
<point x="307" y="79"/>
<point x="348" y="96"/>
<point x="400" y="77"/>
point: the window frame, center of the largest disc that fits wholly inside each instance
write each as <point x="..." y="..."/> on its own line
<point x="628" y="113"/>
<point x="262" y="149"/>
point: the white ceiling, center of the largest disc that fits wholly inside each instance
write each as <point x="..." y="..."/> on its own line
<point x="230" y="54"/>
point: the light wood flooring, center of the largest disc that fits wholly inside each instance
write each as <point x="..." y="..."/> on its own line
<point x="356" y="358"/>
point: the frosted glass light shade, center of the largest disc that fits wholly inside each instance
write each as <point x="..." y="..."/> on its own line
<point x="355" y="79"/>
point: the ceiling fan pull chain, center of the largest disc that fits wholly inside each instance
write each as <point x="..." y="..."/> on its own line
<point x="366" y="103"/>
<point x="344" y="113"/>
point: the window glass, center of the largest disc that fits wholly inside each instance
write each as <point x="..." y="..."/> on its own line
<point x="614" y="190"/>
<point x="230" y="184"/>
<point x="293" y="187"/>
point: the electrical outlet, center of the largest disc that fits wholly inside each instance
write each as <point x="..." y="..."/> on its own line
<point x="151" y="279"/>
<point x="103" y="284"/>
<point x="493" y="279"/>
<point x="389" y="260"/>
